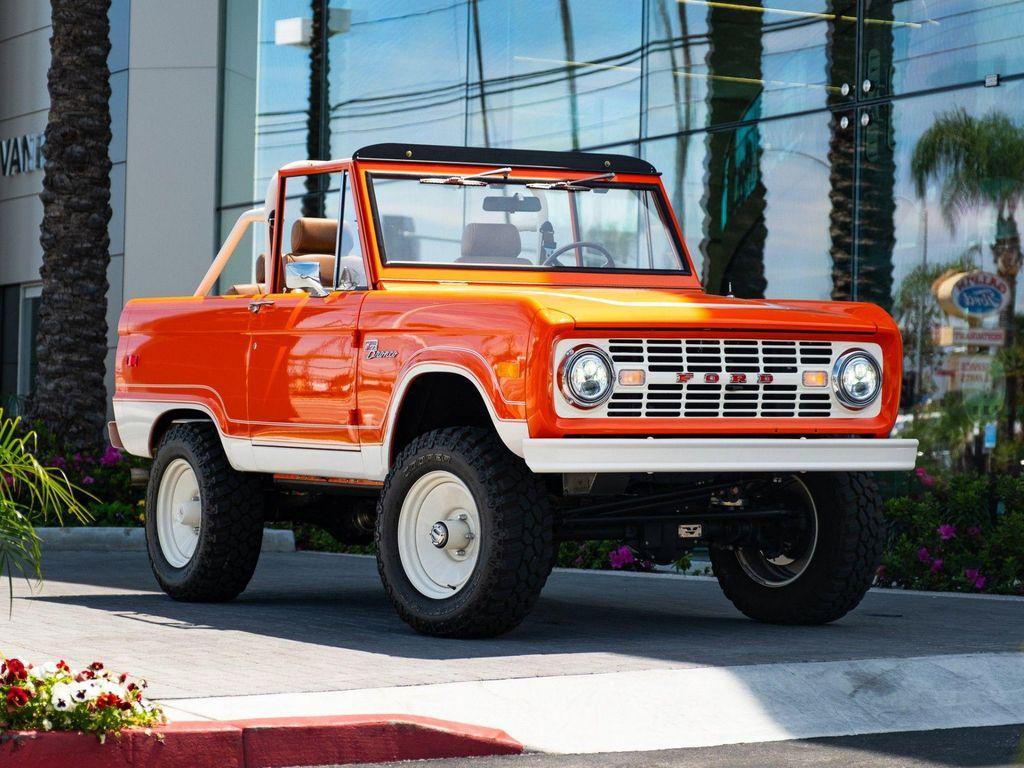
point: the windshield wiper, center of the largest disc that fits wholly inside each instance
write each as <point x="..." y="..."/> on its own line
<point x="570" y="185"/>
<point x="472" y="180"/>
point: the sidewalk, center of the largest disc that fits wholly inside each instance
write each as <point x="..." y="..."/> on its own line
<point x="606" y="661"/>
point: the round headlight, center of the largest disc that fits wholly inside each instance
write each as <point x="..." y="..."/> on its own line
<point x="585" y="377"/>
<point x="857" y="379"/>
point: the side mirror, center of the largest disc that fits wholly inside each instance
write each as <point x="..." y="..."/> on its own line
<point x="304" y="276"/>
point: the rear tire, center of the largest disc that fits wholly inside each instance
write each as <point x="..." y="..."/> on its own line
<point x="440" y="581"/>
<point x="214" y="560"/>
<point x="847" y="549"/>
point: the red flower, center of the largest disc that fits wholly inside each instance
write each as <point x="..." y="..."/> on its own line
<point x="107" y="701"/>
<point x="63" y="667"/>
<point x="85" y="674"/>
<point x="17" y="697"/>
<point x="96" y="666"/>
<point x="13" y="670"/>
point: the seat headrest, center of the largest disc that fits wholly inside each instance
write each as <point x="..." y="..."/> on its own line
<point x="314" y="235"/>
<point x="491" y="243"/>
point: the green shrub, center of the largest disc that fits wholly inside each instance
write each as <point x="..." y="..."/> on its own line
<point x="103" y="480"/>
<point x="964" y="534"/>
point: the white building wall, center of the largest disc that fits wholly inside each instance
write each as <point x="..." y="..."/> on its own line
<point x="173" y="130"/>
<point x="164" y="64"/>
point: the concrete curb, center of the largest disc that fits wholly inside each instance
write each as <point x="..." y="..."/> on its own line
<point x="264" y="743"/>
<point x="96" y="539"/>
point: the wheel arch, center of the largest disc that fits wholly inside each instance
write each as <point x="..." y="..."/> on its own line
<point x="422" y="404"/>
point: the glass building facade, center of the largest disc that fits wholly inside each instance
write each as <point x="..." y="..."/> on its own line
<point x="844" y="149"/>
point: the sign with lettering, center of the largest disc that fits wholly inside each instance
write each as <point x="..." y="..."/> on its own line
<point x="948" y="336"/>
<point x="21" y="154"/>
<point x="972" y="295"/>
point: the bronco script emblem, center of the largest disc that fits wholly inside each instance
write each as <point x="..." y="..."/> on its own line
<point x="374" y="353"/>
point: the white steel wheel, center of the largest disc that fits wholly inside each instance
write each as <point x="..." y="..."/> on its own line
<point x="179" y="513"/>
<point x="438" y="534"/>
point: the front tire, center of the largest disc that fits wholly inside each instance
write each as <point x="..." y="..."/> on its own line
<point x="832" y="563"/>
<point x="204" y="519"/>
<point x="464" y="535"/>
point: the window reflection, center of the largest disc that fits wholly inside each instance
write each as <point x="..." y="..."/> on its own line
<point x="554" y="74"/>
<point x="756" y="204"/>
<point x="911" y="45"/>
<point x="958" y="169"/>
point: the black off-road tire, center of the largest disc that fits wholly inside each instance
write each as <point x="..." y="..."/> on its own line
<point x="231" y="532"/>
<point x="851" y="534"/>
<point x="517" y="549"/>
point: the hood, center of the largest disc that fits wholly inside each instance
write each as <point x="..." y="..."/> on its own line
<point x="695" y="310"/>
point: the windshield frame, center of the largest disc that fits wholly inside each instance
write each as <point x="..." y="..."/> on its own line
<point x="652" y="187"/>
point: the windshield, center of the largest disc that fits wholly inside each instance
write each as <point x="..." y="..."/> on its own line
<point x="515" y="225"/>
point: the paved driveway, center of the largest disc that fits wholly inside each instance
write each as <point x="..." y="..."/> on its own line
<point x="319" y="624"/>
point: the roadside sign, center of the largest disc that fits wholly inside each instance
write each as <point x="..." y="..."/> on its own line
<point x="948" y="336"/>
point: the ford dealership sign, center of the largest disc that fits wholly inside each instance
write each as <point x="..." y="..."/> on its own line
<point x="974" y="294"/>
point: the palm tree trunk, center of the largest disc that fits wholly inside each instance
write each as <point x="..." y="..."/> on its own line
<point x="734" y="199"/>
<point x="318" y="118"/>
<point x="69" y="395"/>
<point x="1008" y="256"/>
<point x="841" y="68"/>
<point x="570" y="70"/>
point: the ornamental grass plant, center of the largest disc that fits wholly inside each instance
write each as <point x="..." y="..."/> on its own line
<point x="30" y="493"/>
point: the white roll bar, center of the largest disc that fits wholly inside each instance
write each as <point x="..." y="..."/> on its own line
<point x="234" y="237"/>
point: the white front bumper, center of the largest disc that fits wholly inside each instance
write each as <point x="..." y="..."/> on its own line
<point x="590" y="455"/>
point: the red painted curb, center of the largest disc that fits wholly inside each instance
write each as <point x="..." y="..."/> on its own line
<point x="276" y="743"/>
<point x="261" y="743"/>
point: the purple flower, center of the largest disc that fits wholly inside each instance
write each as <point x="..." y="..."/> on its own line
<point x="110" y="457"/>
<point x="88" y="480"/>
<point x="936" y="565"/>
<point x="59" y="462"/>
<point x="974" y="577"/>
<point x="922" y="475"/>
<point x="924" y="556"/>
<point x="974" y="530"/>
<point x="8" y="479"/>
<point x="621" y="557"/>
<point x="947" y="531"/>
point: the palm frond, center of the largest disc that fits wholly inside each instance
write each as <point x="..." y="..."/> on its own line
<point x="29" y="492"/>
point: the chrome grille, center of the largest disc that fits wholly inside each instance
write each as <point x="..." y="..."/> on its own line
<point x="663" y="396"/>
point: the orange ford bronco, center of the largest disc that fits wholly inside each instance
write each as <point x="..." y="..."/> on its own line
<point x="467" y="356"/>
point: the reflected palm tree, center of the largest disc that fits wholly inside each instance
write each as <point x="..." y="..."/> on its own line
<point x="318" y="127"/>
<point x="980" y="164"/>
<point x="570" y="70"/>
<point x="734" y="193"/>
<point x="842" y="68"/>
<point x="682" y="99"/>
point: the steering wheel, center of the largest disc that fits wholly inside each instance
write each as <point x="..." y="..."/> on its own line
<point x="552" y="260"/>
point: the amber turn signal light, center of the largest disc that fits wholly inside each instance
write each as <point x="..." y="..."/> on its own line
<point x="632" y="377"/>
<point x="815" y="378"/>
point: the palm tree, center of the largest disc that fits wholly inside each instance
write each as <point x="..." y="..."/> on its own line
<point x="69" y="395"/>
<point x="980" y="163"/>
<point x="735" y="197"/>
<point x="318" y="122"/>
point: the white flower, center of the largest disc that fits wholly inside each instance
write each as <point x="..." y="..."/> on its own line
<point x="47" y="725"/>
<point x="87" y="690"/>
<point x="49" y="669"/>
<point x="62" y="697"/>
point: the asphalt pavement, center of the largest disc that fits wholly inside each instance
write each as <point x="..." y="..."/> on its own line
<point x="605" y="663"/>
